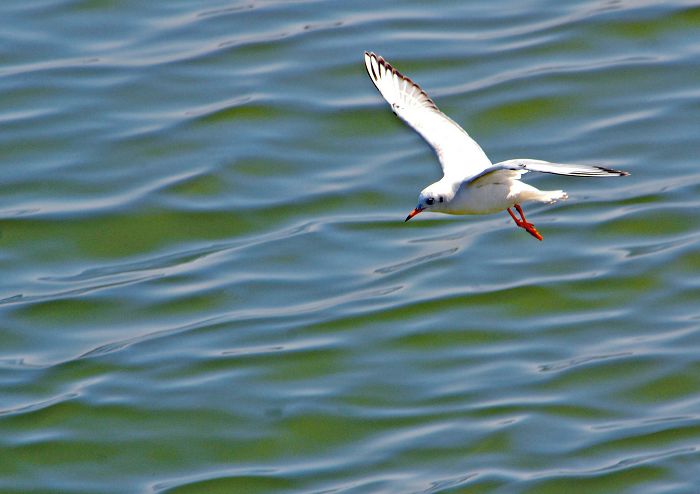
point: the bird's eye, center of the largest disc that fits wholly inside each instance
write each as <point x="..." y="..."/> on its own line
<point x="429" y="201"/>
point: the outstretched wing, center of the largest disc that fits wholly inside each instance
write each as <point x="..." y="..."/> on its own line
<point x="459" y="155"/>
<point x="527" y="165"/>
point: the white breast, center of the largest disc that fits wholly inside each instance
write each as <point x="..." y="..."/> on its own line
<point x="490" y="198"/>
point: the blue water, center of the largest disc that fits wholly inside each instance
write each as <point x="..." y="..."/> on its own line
<point x="208" y="285"/>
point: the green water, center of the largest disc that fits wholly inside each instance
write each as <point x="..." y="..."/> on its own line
<point x="208" y="285"/>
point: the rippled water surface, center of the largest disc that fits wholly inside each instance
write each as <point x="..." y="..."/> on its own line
<point x="208" y="285"/>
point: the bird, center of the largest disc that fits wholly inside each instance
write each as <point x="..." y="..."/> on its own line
<point x="471" y="184"/>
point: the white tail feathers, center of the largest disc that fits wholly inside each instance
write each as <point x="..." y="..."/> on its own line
<point x="550" y="196"/>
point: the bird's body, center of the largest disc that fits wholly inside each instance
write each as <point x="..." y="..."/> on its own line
<point x="492" y="193"/>
<point x="471" y="183"/>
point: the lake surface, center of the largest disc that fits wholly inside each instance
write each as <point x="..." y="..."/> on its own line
<point x="208" y="285"/>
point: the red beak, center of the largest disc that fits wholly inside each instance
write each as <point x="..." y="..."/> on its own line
<point x="412" y="214"/>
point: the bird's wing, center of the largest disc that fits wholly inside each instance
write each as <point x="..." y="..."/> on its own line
<point x="527" y="165"/>
<point x="459" y="155"/>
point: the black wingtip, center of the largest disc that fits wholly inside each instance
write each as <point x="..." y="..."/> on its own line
<point x="621" y="173"/>
<point x="371" y="54"/>
<point x="612" y="171"/>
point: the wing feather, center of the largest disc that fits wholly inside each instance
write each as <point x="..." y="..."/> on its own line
<point x="459" y="155"/>
<point x="529" y="165"/>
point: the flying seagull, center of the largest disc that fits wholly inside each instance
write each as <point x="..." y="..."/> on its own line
<point x="471" y="184"/>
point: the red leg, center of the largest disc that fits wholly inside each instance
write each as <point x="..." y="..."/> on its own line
<point x="517" y="221"/>
<point x="523" y="223"/>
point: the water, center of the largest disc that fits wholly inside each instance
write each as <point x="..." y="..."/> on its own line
<point x="208" y="285"/>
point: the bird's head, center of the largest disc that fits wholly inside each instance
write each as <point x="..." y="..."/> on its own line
<point x="433" y="198"/>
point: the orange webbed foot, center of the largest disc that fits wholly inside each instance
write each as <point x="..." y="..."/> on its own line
<point x="524" y="224"/>
<point x="530" y="228"/>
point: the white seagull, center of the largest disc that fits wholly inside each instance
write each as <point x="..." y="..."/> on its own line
<point x="471" y="184"/>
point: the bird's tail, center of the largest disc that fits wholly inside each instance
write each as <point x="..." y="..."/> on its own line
<point x="550" y="196"/>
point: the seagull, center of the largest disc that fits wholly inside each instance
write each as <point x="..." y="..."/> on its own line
<point x="471" y="184"/>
